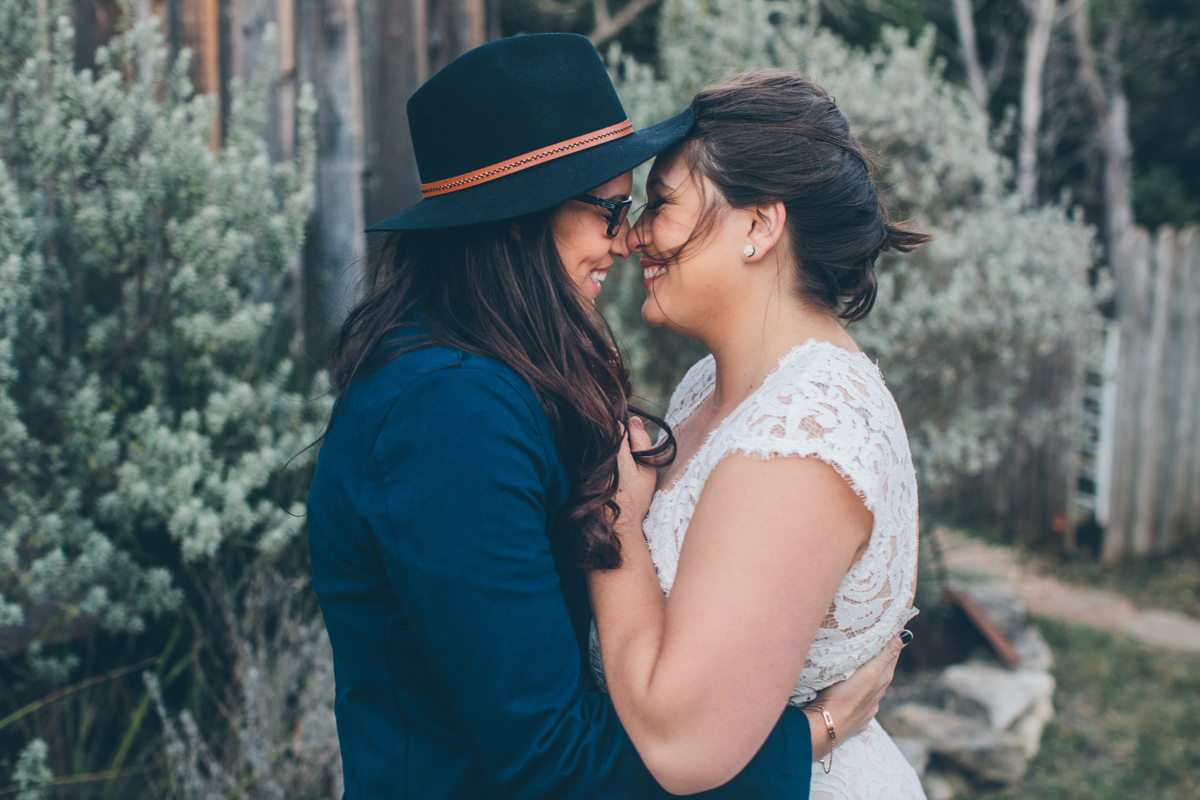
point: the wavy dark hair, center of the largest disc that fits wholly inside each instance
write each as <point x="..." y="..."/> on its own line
<point x="769" y="135"/>
<point x="500" y="290"/>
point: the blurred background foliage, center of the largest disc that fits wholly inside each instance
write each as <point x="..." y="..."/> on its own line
<point x="161" y="343"/>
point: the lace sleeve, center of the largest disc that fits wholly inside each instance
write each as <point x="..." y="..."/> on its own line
<point x="818" y="416"/>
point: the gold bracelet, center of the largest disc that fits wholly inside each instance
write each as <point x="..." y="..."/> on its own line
<point x="832" y="735"/>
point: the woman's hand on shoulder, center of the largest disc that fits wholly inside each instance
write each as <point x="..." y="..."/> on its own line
<point x="635" y="487"/>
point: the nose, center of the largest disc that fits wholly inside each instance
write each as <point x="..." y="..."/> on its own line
<point x="619" y="246"/>
<point x="633" y="237"/>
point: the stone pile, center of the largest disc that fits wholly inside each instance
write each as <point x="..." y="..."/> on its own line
<point x="982" y="720"/>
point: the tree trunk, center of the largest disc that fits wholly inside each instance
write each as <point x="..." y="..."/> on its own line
<point x="964" y="16"/>
<point x="1037" y="46"/>
<point x="455" y="26"/>
<point x="607" y="27"/>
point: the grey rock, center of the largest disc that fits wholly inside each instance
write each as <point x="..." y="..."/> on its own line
<point x="915" y="752"/>
<point x="993" y="694"/>
<point x="988" y="754"/>
<point x="1034" y="652"/>
<point x="945" y="786"/>
<point x="1030" y="726"/>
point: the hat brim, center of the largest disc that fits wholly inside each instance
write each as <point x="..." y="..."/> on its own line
<point x="542" y="186"/>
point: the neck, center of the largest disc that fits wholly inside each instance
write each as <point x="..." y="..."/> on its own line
<point x="747" y="343"/>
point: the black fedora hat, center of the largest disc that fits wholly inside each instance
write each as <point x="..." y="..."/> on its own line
<point x="519" y="125"/>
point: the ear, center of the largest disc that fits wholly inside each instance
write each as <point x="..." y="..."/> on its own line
<point x="765" y="226"/>
<point x="514" y="232"/>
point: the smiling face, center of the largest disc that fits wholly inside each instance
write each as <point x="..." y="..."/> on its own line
<point x="581" y="236"/>
<point x="690" y="279"/>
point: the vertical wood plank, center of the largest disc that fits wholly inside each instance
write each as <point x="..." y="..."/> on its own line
<point x="199" y="29"/>
<point x="196" y="25"/>
<point x="1131" y="275"/>
<point x="1191" y="519"/>
<point x="1183" y="474"/>
<point x="1151" y="426"/>
<point x="455" y="26"/>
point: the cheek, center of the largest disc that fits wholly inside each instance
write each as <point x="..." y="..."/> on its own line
<point x="572" y="249"/>
<point x="690" y="292"/>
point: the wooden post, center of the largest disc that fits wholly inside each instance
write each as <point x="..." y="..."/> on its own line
<point x="1181" y="465"/>
<point x="395" y="63"/>
<point x="95" y="22"/>
<point x="1131" y="274"/>
<point x="285" y="20"/>
<point x="403" y="43"/>
<point x="1151" y="425"/>
<point x="330" y="61"/>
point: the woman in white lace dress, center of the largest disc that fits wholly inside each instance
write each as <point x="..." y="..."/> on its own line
<point x="784" y="535"/>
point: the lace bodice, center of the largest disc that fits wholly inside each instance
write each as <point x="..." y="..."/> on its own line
<point x="825" y="402"/>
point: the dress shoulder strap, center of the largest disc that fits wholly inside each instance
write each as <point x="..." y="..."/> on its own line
<point x="695" y="386"/>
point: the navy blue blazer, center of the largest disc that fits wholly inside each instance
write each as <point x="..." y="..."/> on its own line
<point x="458" y="643"/>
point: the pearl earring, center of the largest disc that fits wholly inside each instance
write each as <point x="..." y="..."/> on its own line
<point x="748" y="251"/>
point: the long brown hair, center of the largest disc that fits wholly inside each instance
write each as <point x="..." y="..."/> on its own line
<point x="500" y="290"/>
<point x="768" y="135"/>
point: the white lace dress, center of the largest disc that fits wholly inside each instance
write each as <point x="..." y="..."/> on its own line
<point x="825" y="402"/>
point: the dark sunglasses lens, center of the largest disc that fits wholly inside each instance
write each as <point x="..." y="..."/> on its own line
<point x="615" y="221"/>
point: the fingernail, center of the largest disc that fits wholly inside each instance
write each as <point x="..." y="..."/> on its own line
<point x="906" y="636"/>
<point x="636" y="422"/>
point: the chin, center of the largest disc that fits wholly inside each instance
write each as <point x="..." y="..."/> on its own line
<point x="652" y="314"/>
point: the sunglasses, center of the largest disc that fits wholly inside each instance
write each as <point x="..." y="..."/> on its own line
<point x="617" y="210"/>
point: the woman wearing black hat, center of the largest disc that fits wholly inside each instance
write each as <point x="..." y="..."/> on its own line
<point x="467" y="474"/>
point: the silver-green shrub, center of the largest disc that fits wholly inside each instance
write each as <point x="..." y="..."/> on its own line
<point x="963" y="327"/>
<point x="147" y="401"/>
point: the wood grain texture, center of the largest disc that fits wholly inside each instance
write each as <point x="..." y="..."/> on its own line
<point x="1131" y="275"/>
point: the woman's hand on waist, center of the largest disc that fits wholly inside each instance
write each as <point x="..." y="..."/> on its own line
<point x="854" y="702"/>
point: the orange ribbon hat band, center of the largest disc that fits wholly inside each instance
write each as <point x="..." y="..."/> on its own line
<point x="527" y="160"/>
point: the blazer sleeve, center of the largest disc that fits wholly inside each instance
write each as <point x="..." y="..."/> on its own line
<point x="464" y="466"/>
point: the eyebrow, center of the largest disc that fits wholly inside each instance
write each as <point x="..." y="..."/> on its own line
<point x="617" y="198"/>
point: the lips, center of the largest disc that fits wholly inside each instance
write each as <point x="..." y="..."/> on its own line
<point x="597" y="277"/>
<point x="652" y="271"/>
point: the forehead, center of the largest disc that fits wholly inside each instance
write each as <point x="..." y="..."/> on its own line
<point x="670" y="168"/>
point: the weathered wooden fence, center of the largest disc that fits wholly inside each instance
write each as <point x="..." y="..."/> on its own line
<point x="1145" y="461"/>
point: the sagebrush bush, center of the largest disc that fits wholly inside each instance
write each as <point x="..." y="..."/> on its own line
<point x="143" y="398"/>
<point x="148" y="401"/>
